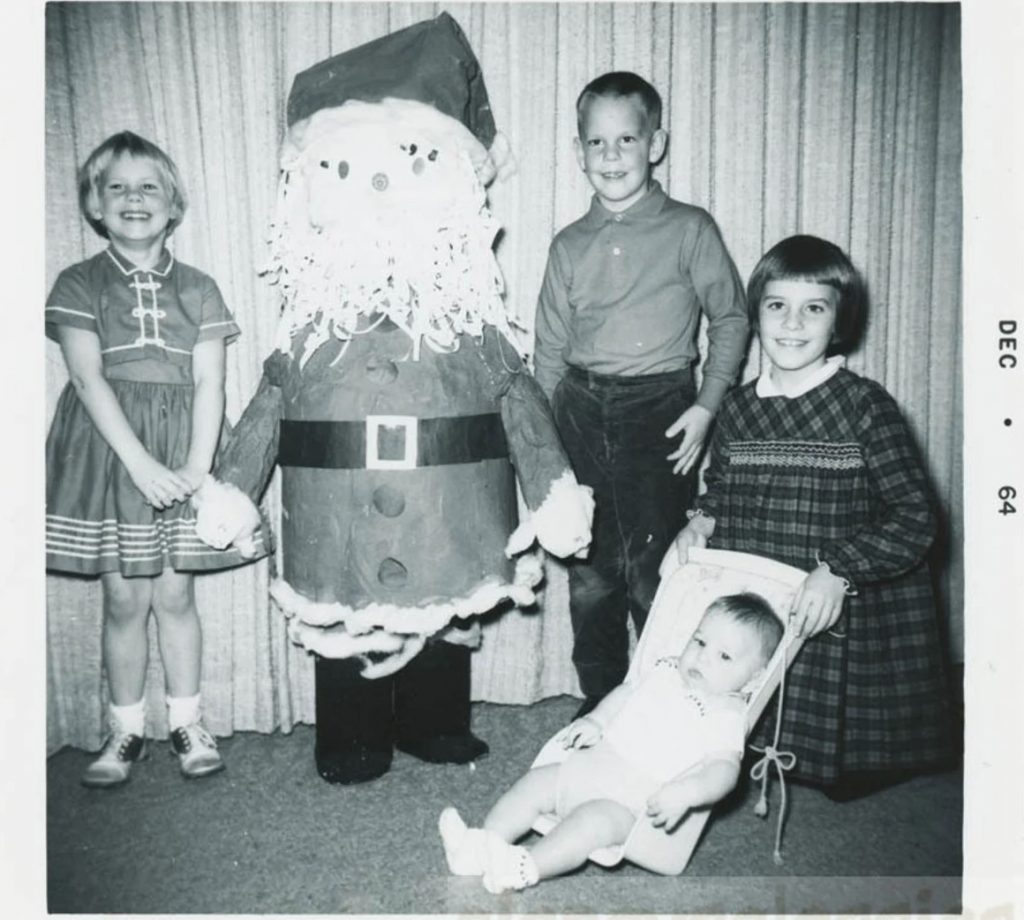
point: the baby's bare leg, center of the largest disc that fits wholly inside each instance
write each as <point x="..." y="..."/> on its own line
<point x="531" y="795"/>
<point x="586" y="828"/>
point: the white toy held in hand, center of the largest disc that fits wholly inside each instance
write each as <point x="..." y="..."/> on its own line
<point x="225" y="516"/>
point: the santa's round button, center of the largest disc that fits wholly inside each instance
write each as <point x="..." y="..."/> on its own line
<point x="388" y="501"/>
<point x="392" y="574"/>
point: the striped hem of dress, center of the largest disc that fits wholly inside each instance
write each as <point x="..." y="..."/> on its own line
<point x="93" y="547"/>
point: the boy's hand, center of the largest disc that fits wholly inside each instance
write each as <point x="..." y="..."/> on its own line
<point x="818" y="602"/>
<point x="694" y="422"/>
<point x="160" y="486"/>
<point x="695" y="533"/>
<point x="668" y="805"/>
<point x="581" y="733"/>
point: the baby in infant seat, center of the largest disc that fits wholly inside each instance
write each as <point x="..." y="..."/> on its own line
<point x="669" y="742"/>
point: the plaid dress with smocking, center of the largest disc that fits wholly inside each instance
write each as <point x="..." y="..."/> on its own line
<point x="833" y="475"/>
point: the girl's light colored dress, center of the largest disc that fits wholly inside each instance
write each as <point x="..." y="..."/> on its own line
<point x="148" y="322"/>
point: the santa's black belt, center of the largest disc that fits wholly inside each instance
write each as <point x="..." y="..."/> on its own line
<point x="392" y="442"/>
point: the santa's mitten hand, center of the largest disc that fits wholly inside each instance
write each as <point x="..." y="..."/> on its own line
<point x="225" y="516"/>
<point x="564" y="520"/>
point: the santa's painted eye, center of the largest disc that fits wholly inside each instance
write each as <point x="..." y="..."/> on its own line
<point x="412" y="149"/>
<point x="342" y="169"/>
<point x="324" y="164"/>
<point x="418" y="165"/>
<point x="432" y="155"/>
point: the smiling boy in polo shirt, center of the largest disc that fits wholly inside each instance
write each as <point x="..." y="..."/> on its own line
<point x="615" y="351"/>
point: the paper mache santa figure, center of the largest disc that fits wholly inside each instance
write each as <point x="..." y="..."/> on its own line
<point x="395" y="405"/>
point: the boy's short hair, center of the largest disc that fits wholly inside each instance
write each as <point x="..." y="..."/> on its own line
<point x="125" y="142"/>
<point x="810" y="258"/>
<point x="621" y="83"/>
<point x="749" y="609"/>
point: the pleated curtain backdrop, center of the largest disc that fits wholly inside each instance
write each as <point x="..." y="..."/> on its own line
<point x="841" y="120"/>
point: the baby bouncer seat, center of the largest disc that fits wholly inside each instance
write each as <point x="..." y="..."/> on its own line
<point x="682" y="597"/>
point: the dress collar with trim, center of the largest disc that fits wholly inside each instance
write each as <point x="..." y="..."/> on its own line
<point x="127" y="267"/>
<point x="766" y="386"/>
<point x="647" y="206"/>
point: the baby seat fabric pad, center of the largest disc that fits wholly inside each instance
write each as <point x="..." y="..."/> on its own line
<point x="682" y="597"/>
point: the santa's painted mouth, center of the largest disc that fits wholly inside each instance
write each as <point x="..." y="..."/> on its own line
<point x="694" y="674"/>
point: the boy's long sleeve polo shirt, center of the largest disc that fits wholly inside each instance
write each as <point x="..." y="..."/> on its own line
<point x="623" y="293"/>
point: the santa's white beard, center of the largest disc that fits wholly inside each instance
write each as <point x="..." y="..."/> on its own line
<point x="434" y="281"/>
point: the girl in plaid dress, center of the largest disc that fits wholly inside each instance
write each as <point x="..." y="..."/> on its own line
<point x="133" y="437"/>
<point x="814" y="466"/>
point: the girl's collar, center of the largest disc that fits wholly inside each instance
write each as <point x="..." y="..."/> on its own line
<point x="127" y="267"/>
<point x="766" y="387"/>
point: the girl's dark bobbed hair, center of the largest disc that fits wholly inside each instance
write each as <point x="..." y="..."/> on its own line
<point x="810" y="258"/>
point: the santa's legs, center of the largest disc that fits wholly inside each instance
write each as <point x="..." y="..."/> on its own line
<point x="353" y="722"/>
<point x="432" y="708"/>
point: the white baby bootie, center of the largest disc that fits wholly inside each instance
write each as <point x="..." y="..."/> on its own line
<point x="463" y="846"/>
<point x="507" y="867"/>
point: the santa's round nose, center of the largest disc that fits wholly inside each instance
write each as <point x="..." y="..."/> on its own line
<point x="380" y="181"/>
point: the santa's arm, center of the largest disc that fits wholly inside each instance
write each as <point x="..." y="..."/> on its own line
<point x="226" y="512"/>
<point x="560" y="510"/>
<point x="248" y="456"/>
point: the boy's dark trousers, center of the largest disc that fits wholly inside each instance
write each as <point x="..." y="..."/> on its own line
<point x="613" y="429"/>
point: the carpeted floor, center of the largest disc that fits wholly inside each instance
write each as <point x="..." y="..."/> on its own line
<point x="269" y="836"/>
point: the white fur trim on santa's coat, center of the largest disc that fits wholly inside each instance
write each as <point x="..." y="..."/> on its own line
<point x="375" y="622"/>
<point x="561" y="524"/>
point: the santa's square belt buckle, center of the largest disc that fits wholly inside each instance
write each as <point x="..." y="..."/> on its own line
<point x="410" y="429"/>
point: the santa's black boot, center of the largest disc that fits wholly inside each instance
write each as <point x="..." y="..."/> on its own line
<point x="353" y="722"/>
<point x="432" y="706"/>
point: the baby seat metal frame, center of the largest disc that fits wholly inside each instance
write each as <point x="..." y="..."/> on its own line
<point x="682" y="597"/>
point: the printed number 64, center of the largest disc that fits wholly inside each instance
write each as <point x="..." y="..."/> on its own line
<point x="1006" y="493"/>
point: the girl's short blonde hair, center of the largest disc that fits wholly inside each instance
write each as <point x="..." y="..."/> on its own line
<point x="90" y="176"/>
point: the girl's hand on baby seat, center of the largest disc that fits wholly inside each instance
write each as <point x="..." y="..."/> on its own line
<point x="818" y="602"/>
<point x="694" y="422"/>
<point x="668" y="805"/>
<point x="160" y="486"/>
<point x="581" y="733"/>
<point x="696" y="534"/>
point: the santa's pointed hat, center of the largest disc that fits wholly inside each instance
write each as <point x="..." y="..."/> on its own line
<point x="429" y="62"/>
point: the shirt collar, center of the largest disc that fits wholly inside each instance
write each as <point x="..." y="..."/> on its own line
<point x="647" y="206"/>
<point x="766" y="386"/>
<point x="127" y="267"/>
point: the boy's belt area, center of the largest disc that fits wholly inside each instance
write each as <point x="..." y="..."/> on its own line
<point x="392" y="442"/>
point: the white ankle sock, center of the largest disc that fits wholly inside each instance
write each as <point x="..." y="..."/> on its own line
<point x="182" y="711"/>
<point x="463" y="846"/>
<point x="131" y="719"/>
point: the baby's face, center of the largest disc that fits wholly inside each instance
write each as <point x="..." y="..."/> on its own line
<point x="722" y="655"/>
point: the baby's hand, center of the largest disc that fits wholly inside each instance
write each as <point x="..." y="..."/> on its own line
<point x="581" y="733"/>
<point x="668" y="805"/>
<point x="160" y="486"/>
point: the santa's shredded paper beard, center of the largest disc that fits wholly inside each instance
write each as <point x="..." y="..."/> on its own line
<point x="434" y="277"/>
